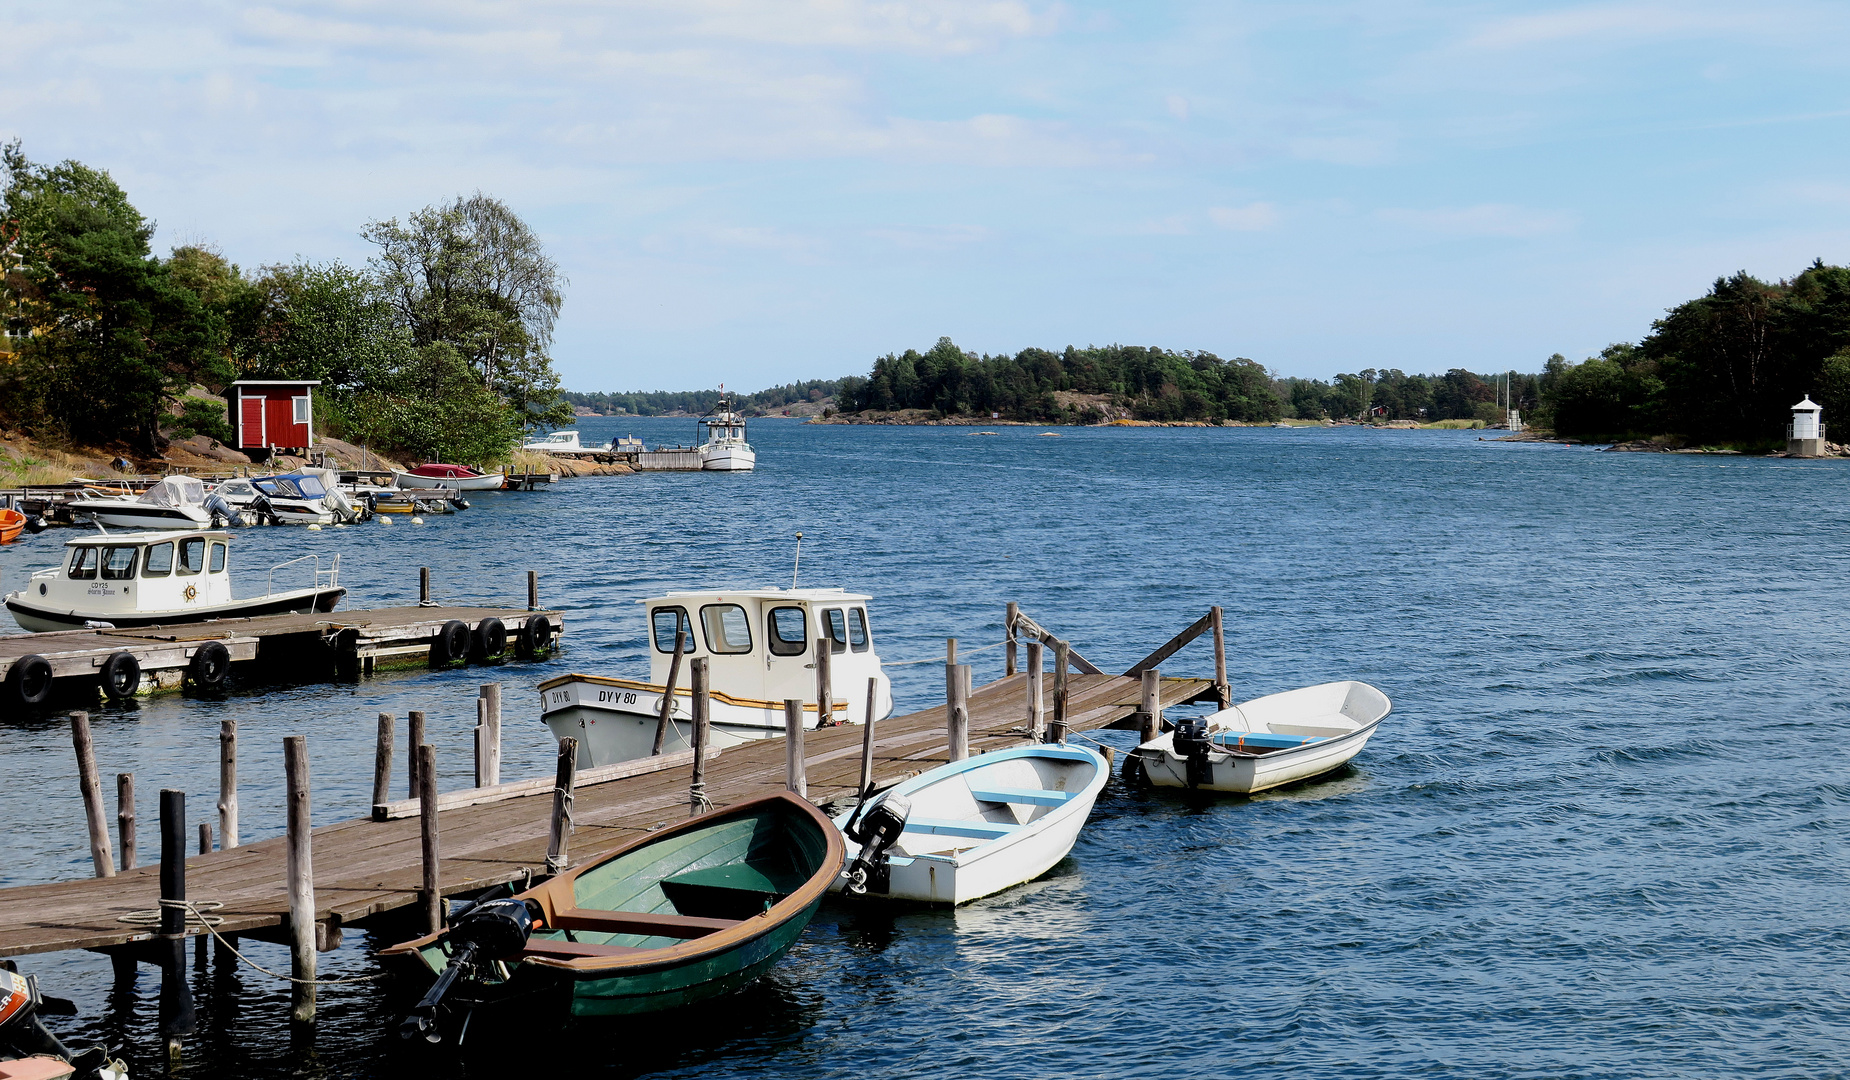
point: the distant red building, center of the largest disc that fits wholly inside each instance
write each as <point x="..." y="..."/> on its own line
<point x="272" y="414"/>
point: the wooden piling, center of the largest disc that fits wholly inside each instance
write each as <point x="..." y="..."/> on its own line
<point x="176" y="1004"/>
<point x="1056" y="731"/>
<point x="959" y="725"/>
<point x="125" y="817"/>
<point x="299" y="829"/>
<point x="491" y="721"/>
<point x="796" y="777"/>
<point x="205" y="848"/>
<point x="414" y="738"/>
<point x="227" y="784"/>
<point x="667" y="709"/>
<point x="100" y="855"/>
<point x="1037" y="711"/>
<point x="427" y="820"/>
<point x="1008" y="635"/>
<point x="382" y="760"/>
<point x="533" y="590"/>
<point x="867" y="738"/>
<point x="423" y="585"/>
<point x="697" y="788"/>
<point x="1222" y="691"/>
<point x="558" y="837"/>
<point x="825" y="685"/>
<point x="1150" y="706"/>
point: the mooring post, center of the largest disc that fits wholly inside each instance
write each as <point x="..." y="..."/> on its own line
<point x="867" y="738"/>
<point x="205" y="848"/>
<point x="1150" y="706"/>
<point x="176" y="1006"/>
<point x="697" y="788"/>
<point x="491" y="719"/>
<point x="1222" y="691"/>
<point x="423" y="585"/>
<point x="825" y="687"/>
<point x="480" y="733"/>
<point x="959" y="727"/>
<point x="1056" y="731"/>
<point x="667" y="709"/>
<point x="1008" y="635"/>
<point x="125" y="817"/>
<point x="565" y="777"/>
<point x="100" y="855"/>
<point x="427" y="819"/>
<point x="1037" y="714"/>
<point x="414" y="738"/>
<point x="796" y="776"/>
<point x="950" y="686"/>
<point x="533" y="590"/>
<point x="382" y="760"/>
<point x="227" y="784"/>
<point x="299" y="828"/>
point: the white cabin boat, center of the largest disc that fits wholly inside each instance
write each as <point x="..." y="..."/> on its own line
<point x="724" y="448"/>
<point x="308" y="497"/>
<point x="563" y="442"/>
<point x="760" y="649"/>
<point x="1269" y="741"/>
<point x="156" y="578"/>
<point x="176" y="502"/>
<point x="975" y="827"/>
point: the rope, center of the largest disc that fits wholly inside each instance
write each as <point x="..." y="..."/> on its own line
<point x="196" y="916"/>
<point x="697" y="800"/>
<point x="961" y="653"/>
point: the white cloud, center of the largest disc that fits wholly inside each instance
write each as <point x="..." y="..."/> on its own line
<point x="1487" y="219"/>
<point x="1253" y="217"/>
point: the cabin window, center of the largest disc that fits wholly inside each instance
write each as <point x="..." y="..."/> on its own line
<point x="301" y="410"/>
<point x="119" y="563"/>
<point x="857" y="629"/>
<point x="728" y="631"/>
<point x="218" y="558"/>
<point x="838" y="630"/>
<point x="158" y="562"/>
<point x="83" y="563"/>
<point x="789" y="631"/>
<point x="192" y="555"/>
<point x="666" y="621"/>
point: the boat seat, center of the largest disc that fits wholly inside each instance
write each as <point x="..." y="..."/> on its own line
<point x="1027" y="796"/>
<point x="571" y="950"/>
<point x="637" y="922"/>
<point x="1262" y="738"/>
<point x="983" y="830"/>
<point x="733" y="891"/>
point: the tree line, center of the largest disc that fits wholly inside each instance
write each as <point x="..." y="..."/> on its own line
<point x="437" y="348"/>
<point x="700" y="402"/>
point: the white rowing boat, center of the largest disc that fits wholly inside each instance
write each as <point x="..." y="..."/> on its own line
<point x="972" y="828"/>
<point x="1267" y="742"/>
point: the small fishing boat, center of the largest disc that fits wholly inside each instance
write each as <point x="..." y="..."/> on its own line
<point x="29" y="1051"/>
<point x="563" y="442"/>
<point x="724" y="448"/>
<point x="678" y="916"/>
<point x="156" y="578"/>
<point x="972" y="828"/>
<point x="12" y="523"/>
<point x="1267" y="742"/>
<point x="176" y="502"/>
<point x="760" y="647"/>
<point x="452" y="477"/>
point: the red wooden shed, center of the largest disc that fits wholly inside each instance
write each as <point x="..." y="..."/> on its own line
<point x="272" y="413"/>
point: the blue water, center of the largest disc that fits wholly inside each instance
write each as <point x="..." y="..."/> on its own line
<point x="1598" y="836"/>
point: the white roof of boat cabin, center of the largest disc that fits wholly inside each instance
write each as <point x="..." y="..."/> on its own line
<point x="152" y="536"/>
<point x="820" y="596"/>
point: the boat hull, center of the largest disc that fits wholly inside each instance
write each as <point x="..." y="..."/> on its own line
<point x="728" y="458"/>
<point x="1248" y="775"/>
<point x="1338" y="718"/>
<point x="300" y="601"/>
<point x="490" y="482"/>
<point x="141" y="516"/>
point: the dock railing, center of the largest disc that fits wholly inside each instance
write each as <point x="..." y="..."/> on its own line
<point x="324" y="579"/>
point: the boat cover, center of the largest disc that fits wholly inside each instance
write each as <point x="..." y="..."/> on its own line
<point x="175" y="491"/>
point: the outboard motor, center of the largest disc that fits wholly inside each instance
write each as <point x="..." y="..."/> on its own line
<point x="216" y="505"/>
<point x="23" y="1035"/>
<point x="488" y="931"/>
<point x="876" y="829"/>
<point x="1192" y="745"/>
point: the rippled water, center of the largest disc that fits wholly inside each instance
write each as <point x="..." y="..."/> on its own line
<point x="1598" y="836"/>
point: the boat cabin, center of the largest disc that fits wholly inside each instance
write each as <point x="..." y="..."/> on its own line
<point x="761" y="643"/>
<point x="125" y="573"/>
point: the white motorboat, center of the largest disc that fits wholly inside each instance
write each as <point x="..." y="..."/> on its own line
<point x="176" y="502"/>
<point x="449" y="477"/>
<point x="157" y="578"/>
<point x="308" y="497"/>
<point x="724" y="448"/>
<point x="563" y="442"/>
<point x="1267" y="742"/>
<point x="972" y="828"/>
<point x="760" y="648"/>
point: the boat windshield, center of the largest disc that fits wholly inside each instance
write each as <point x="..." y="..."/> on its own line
<point x="857" y="629"/>
<point x="119" y="563"/>
<point x="727" y="629"/>
<point x="293" y="486"/>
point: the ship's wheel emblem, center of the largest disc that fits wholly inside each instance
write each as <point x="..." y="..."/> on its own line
<point x="192" y="592"/>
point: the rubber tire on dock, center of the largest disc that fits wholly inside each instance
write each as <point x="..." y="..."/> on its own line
<point x="209" y="666"/>
<point x="450" y="643"/>
<point x="489" y="639"/>
<point x="535" y="639"/>
<point x="28" y="681"/>
<point x="121" y="676"/>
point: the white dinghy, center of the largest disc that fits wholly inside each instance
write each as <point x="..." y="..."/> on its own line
<point x="972" y="828"/>
<point x="1267" y="742"/>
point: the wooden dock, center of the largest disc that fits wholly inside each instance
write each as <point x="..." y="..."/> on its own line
<point x="366" y="867"/>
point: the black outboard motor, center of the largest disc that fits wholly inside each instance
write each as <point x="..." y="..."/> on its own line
<point x="219" y="508"/>
<point x="22" y="1034"/>
<point x="876" y="829"/>
<point x="1191" y="745"/>
<point x="489" y="931"/>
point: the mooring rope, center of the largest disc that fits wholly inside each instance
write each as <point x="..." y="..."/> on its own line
<point x="196" y="916"/>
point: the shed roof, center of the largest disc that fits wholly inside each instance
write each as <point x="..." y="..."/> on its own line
<point x="274" y="382"/>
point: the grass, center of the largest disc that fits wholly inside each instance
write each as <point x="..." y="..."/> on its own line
<point x="33" y="465"/>
<point x="1454" y="425"/>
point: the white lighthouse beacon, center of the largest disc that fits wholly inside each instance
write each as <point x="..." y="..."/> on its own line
<point x="1805" y="438"/>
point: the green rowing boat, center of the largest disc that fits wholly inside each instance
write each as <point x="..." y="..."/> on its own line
<point x="688" y="913"/>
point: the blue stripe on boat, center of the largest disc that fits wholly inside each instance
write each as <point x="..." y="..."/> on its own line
<point x="1026" y="796"/>
<point x="1249" y="738"/>
<point x="986" y="830"/>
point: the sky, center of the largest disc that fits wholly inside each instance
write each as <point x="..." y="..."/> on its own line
<point x="754" y="193"/>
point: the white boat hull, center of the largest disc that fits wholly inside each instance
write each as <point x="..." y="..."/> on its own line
<point x="142" y="516"/>
<point x="411" y="481"/>
<point x="1340" y="718"/>
<point x="728" y="458"/>
<point x="41" y="619"/>
<point x="938" y="868"/>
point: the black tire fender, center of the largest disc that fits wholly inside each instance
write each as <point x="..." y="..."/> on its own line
<point x="28" y="680"/>
<point x="121" y="676"/>
<point x="449" y="644"/>
<point x="490" y="638"/>
<point x="535" y="637"/>
<point x="210" y="664"/>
